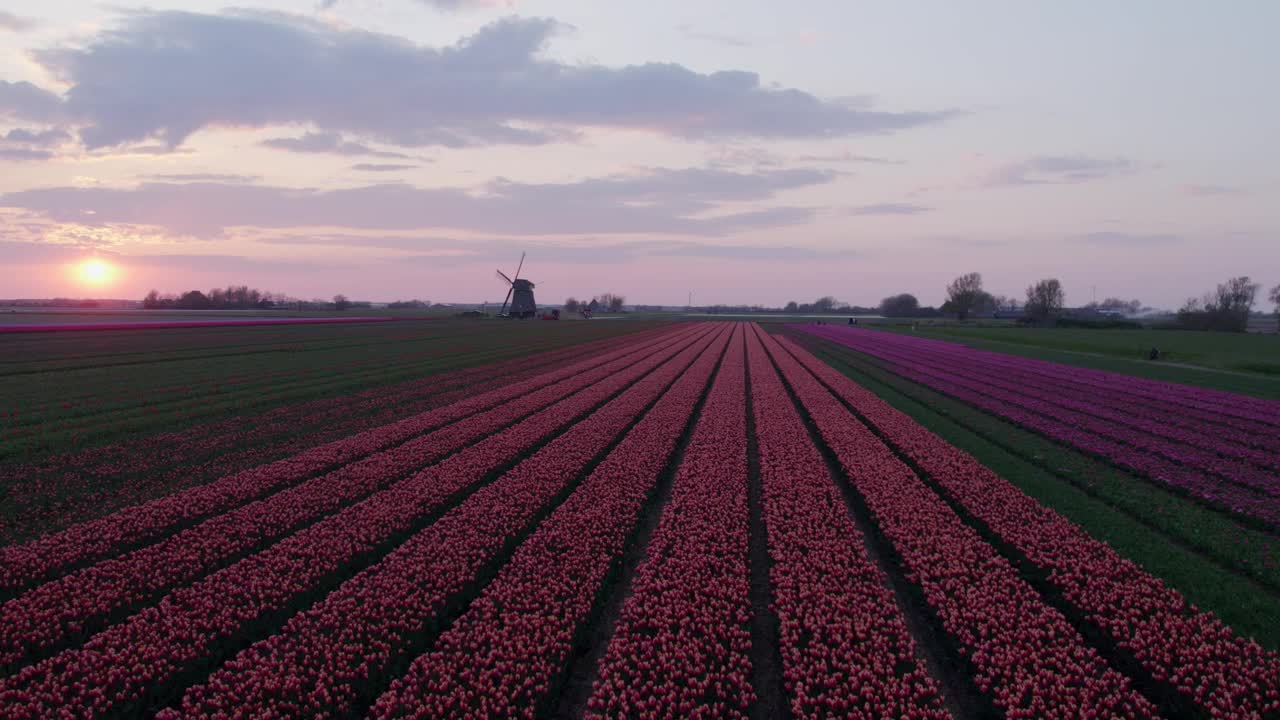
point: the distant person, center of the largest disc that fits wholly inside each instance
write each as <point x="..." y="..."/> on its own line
<point x="1154" y="354"/>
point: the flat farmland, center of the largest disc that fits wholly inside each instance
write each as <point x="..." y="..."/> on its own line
<point x="630" y="519"/>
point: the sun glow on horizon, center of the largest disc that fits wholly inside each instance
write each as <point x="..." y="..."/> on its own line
<point x="95" y="272"/>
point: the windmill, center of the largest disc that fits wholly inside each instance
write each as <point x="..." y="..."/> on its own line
<point x="519" y="295"/>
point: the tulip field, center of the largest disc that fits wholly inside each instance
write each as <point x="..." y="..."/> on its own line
<point x="672" y="520"/>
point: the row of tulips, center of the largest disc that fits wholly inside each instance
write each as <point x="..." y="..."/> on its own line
<point x="1127" y="450"/>
<point x="846" y="650"/>
<point x="1216" y="442"/>
<point x="1045" y="404"/>
<point x="1025" y="655"/>
<point x="78" y="604"/>
<point x="1228" y="433"/>
<point x="76" y="421"/>
<point x="682" y="643"/>
<point x="1229" y="676"/>
<point x="24" y="565"/>
<point x="1204" y="449"/>
<point x="80" y="406"/>
<point x="326" y="660"/>
<point x="128" y="666"/>
<point x="501" y="658"/>
<point x="79" y="486"/>
<point x="1258" y="417"/>
<point x="1208" y="488"/>
<point x="169" y="324"/>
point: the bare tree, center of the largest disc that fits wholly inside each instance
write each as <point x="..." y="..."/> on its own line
<point x="571" y="304"/>
<point x="1045" y="300"/>
<point x="1005" y="302"/>
<point x="611" y="302"/>
<point x="340" y="302"/>
<point x="964" y="293"/>
<point x="1274" y="297"/>
<point x="1227" y="308"/>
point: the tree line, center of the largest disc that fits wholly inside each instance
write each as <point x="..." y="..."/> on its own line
<point x="242" y="297"/>
<point x="1227" y="308"/>
<point x="607" y="302"/>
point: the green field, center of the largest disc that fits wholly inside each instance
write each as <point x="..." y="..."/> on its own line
<point x="1215" y="562"/>
<point x="63" y="391"/>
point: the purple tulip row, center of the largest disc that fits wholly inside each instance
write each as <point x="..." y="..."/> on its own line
<point x="846" y="651"/>
<point x="25" y="565"/>
<point x="682" y="643"/>
<point x="1257" y="416"/>
<point x="1218" y="447"/>
<point x="1231" y="432"/>
<point x="1025" y="655"/>
<point x="1045" y="402"/>
<point x="1229" y="676"/>
<point x="117" y="669"/>
<point x="1252" y="493"/>
<point x="1181" y="477"/>
<point x="501" y="658"/>
<point x="76" y="604"/>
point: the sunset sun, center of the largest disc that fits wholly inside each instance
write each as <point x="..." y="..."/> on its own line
<point x="95" y="272"/>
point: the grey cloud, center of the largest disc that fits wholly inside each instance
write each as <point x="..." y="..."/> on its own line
<point x="14" y="23"/>
<point x="22" y="145"/>
<point x="38" y="138"/>
<point x="376" y="167"/>
<point x="661" y="201"/>
<point x="575" y="251"/>
<point x="890" y="209"/>
<point x="493" y="87"/>
<point x="206" y="177"/>
<point x="1127" y="239"/>
<point x="24" y="101"/>
<point x="1060" y="169"/>
<point x="323" y="142"/>
<point x="19" y="154"/>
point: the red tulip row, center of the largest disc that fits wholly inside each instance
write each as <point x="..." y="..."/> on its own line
<point x="501" y="658"/>
<point x="682" y="643"/>
<point x="78" y="486"/>
<point x="325" y="658"/>
<point x="25" y="565"/>
<point x="846" y="650"/>
<point x="115" y="671"/>
<point x="77" y="604"/>
<point x="1025" y="655"/>
<point x="1192" y="650"/>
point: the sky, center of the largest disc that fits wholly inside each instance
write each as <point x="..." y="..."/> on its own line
<point x="746" y="152"/>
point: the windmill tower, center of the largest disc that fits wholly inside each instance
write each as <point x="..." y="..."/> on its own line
<point x="519" y="295"/>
